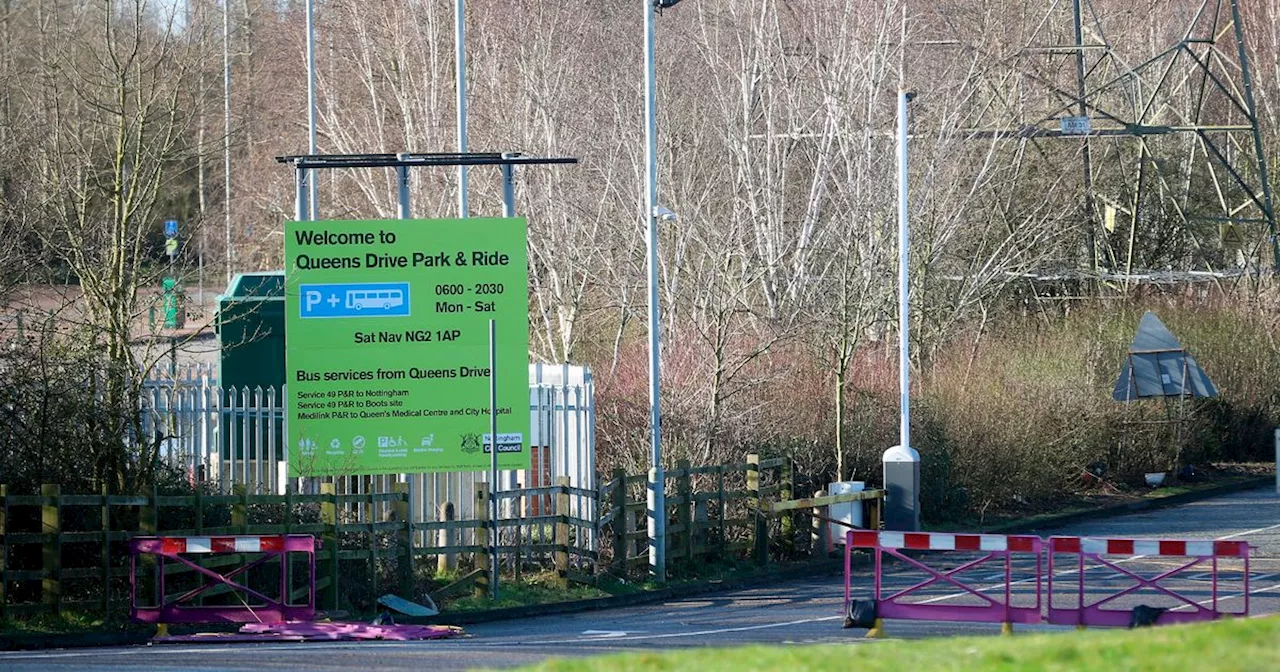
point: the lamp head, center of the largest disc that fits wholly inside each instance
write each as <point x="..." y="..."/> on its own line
<point x="663" y="214"/>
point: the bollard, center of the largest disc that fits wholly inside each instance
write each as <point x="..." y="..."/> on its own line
<point x="448" y="561"/>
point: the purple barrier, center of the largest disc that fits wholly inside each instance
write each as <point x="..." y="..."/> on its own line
<point x="1092" y="600"/>
<point x="180" y="609"/>
<point x="997" y="599"/>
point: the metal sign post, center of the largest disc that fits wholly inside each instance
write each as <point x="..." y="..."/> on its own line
<point x="493" y="457"/>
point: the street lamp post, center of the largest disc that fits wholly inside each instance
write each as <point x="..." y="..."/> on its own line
<point x="902" y="462"/>
<point x="657" y="499"/>
<point x="460" y="79"/>
<point x="312" y="198"/>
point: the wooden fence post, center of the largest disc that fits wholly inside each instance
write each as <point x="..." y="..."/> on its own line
<point x="873" y="513"/>
<point x="722" y="505"/>
<point x="821" y="529"/>
<point x="240" y="509"/>
<point x="483" y="561"/>
<point x="200" y="511"/>
<point x="4" y="551"/>
<point x="288" y="507"/>
<point x="446" y="562"/>
<point x="329" y="517"/>
<point x="562" y="532"/>
<point x="400" y="512"/>
<point x="105" y="558"/>
<point x="51" y="527"/>
<point x="518" y="519"/>
<point x="148" y="520"/>
<point x="786" y="490"/>
<point x="760" y="535"/>
<point x="621" y="523"/>
<point x="684" y="512"/>
<point x="149" y="516"/>
<point x="701" y="522"/>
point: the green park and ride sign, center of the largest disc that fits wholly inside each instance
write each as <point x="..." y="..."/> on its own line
<point x="387" y="345"/>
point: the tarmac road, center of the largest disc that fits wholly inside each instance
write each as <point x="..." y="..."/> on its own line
<point x="793" y="612"/>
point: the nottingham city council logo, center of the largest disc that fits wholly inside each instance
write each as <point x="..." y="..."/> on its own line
<point x="470" y="443"/>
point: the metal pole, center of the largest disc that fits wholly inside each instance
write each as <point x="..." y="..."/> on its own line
<point x="508" y="210"/>
<point x="406" y="212"/>
<point x="493" y="457"/>
<point x="1264" y="180"/>
<point x="657" y="503"/>
<point x="226" y="132"/>
<point x="902" y="462"/>
<point x="402" y="181"/>
<point x="904" y="305"/>
<point x="460" y="60"/>
<point x="300" y="198"/>
<point x="311" y="99"/>
<point x="509" y="187"/>
<point x="196" y="25"/>
<point x="1082" y="109"/>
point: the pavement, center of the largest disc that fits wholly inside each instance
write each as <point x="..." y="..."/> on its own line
<point x="792" y="612"/>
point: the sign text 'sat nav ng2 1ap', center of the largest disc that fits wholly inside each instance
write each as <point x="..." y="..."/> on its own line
<point x="387" y="345"/>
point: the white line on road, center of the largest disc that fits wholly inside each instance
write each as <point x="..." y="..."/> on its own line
<point x="693" y="633"/>
<point x="1249" y="532"/>
<point x="1256" y="591"/>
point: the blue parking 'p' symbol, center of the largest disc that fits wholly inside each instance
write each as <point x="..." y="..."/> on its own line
<point x="366" y="299"/>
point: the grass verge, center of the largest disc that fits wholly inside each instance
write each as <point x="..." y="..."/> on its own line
<point x="1247" y="644"/>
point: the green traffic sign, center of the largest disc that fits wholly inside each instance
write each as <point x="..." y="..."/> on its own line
<point x="387" y="345"/>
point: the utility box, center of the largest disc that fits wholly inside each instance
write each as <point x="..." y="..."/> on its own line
<point x="175" y="312"/>
<point x="849" y="513"/>
<point x="250" y="328"/>
<point x="901" y="489"/>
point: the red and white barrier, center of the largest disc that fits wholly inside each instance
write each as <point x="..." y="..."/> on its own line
<point x="1093" y="597"/>
<point x="241" y="544"/>
<point x="182" y="608"/>
<point x="997" y="600"/>
<point x="1094" y="603"/>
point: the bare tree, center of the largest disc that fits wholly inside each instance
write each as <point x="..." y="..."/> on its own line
<point x="110" y="94"/>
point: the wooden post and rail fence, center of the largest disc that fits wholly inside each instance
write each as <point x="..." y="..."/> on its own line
<point x="68" y="551"/>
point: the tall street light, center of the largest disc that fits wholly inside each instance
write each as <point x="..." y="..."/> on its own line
<point x="460" y="79"/>
<point x="902" y="462"/>
<point x="652" y="216"/>
<point x="312" y="198"/>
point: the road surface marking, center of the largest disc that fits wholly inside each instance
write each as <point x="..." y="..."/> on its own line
<point x="697" y="633"/>
<point x="1237" y="595"/>
<point x="1249" y="532"/>
<point x="604" y="634"/>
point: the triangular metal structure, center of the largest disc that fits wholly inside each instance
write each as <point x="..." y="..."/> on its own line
<point x="1158" y="366"/>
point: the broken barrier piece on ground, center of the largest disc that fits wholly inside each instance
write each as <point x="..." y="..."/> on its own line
<point x="320" y="631"/>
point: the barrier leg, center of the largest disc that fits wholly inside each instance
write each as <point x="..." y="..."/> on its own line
<point x="1006" y="628"/>
<point x="877" y="630"/>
